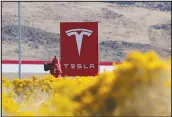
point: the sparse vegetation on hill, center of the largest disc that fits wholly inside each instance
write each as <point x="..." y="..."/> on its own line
<point x="122" y="28"/>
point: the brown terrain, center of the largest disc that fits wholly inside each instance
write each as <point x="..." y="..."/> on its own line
<point x="123" y="27"/>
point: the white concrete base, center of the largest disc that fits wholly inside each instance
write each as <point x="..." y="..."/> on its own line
<point x="31" y="68"/>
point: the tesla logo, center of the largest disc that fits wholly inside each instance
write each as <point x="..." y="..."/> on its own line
<point x="79" y="37"/>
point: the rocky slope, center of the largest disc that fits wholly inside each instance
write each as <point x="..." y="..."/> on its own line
<point x="122" y="28"/>
<point x="163" y="6"/>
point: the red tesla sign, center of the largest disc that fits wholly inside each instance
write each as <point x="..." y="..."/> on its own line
<point x="79" y="48"/>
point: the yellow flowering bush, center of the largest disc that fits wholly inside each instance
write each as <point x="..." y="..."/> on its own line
<point x="140" y="86"/>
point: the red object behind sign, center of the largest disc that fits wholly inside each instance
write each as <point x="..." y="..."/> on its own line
<point x="79" y="48"/>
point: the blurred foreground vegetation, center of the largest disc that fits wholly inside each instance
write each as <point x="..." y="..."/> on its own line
<point x="140" y="86"/>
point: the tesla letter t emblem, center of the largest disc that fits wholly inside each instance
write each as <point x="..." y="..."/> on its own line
<point x="79" y="37"/>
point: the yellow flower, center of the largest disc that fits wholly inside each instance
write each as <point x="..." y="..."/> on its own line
<point x="21" y="85"/>
<point x="168" y="84"/>
<point x="26" y="113"/>
<point x="109" y="93"/>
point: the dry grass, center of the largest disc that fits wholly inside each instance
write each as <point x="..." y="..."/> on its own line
<point x="116" y="22"/>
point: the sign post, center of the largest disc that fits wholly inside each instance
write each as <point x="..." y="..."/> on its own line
<point x="79" y="48"/>
<point x="19" y="43"/>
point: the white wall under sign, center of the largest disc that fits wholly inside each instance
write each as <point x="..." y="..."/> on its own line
<point x="33" y="68"/>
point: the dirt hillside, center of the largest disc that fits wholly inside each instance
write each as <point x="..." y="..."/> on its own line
<point x="123" y="27"/>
